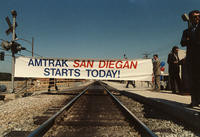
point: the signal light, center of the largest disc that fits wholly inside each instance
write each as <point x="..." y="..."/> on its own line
<point x="15" y="47"/>
<point x="6" y="45"/>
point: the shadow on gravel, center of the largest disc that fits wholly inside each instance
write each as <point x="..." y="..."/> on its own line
<point x="176" y="116"/>
<point x="155" y="108"/>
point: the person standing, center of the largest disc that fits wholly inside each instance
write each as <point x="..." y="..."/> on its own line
<point x="131" y="82"/>
<point x="52" y="83"/>
<point x="191" y="40"/>
<point x="156" y="71"/>
<point x="174" y="69"/>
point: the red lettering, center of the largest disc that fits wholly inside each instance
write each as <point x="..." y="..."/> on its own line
<point x="107" y="64"/>
<point x="89" y="63"/>
<point x="83" y="63"/>
<point x="111" y="64"/>
<point x="102" y="63"/>
<point x="133" y="65"/>
<point x="120" y="64"/>
<point x="76" y="63"/>
<point x="126" y="65"/>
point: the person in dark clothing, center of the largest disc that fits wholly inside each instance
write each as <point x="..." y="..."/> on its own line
<point x="52" y="83"/>
<point x="131" y="82"/>
<point x="173" y="61"/>
<point x="191" y="39"/>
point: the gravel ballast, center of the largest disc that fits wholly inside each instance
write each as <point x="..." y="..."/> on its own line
<point x="18" y="114"/>
<point x="162" y="125"/>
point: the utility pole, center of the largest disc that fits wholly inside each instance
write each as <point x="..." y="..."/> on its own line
<point x="13" y="45"/>
<point x="125" y="57"/>
<point x="14" y="15"/>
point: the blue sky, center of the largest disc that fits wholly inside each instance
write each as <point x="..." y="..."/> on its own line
<point x="96" y="28"/>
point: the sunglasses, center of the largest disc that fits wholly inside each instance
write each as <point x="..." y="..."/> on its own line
<point x="196" y="15"/>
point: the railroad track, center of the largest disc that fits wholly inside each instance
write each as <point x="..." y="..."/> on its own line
<point x="94" y="112"/>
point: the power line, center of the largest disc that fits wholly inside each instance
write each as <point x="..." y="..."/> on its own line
<point x="22" y="54"/>
<point x="6" y="51"/>
<point x="34" y="52"/>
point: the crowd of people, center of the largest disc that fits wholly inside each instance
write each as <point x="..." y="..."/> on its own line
<point x="191" y="40"/>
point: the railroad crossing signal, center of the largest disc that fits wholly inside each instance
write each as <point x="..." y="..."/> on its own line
<point x="10" y="29"/>
<point x="14" y="46"/>
<point x="6" y="45"/>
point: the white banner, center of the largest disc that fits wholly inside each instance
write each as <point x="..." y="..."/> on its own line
<point x="140" y="69"/>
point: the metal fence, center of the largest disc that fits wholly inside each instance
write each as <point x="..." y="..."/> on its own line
<point x="32" y="85"/>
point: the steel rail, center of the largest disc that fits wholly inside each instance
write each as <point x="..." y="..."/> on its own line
<point x="42" y="129"/>
<point x="148" y="132"/>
